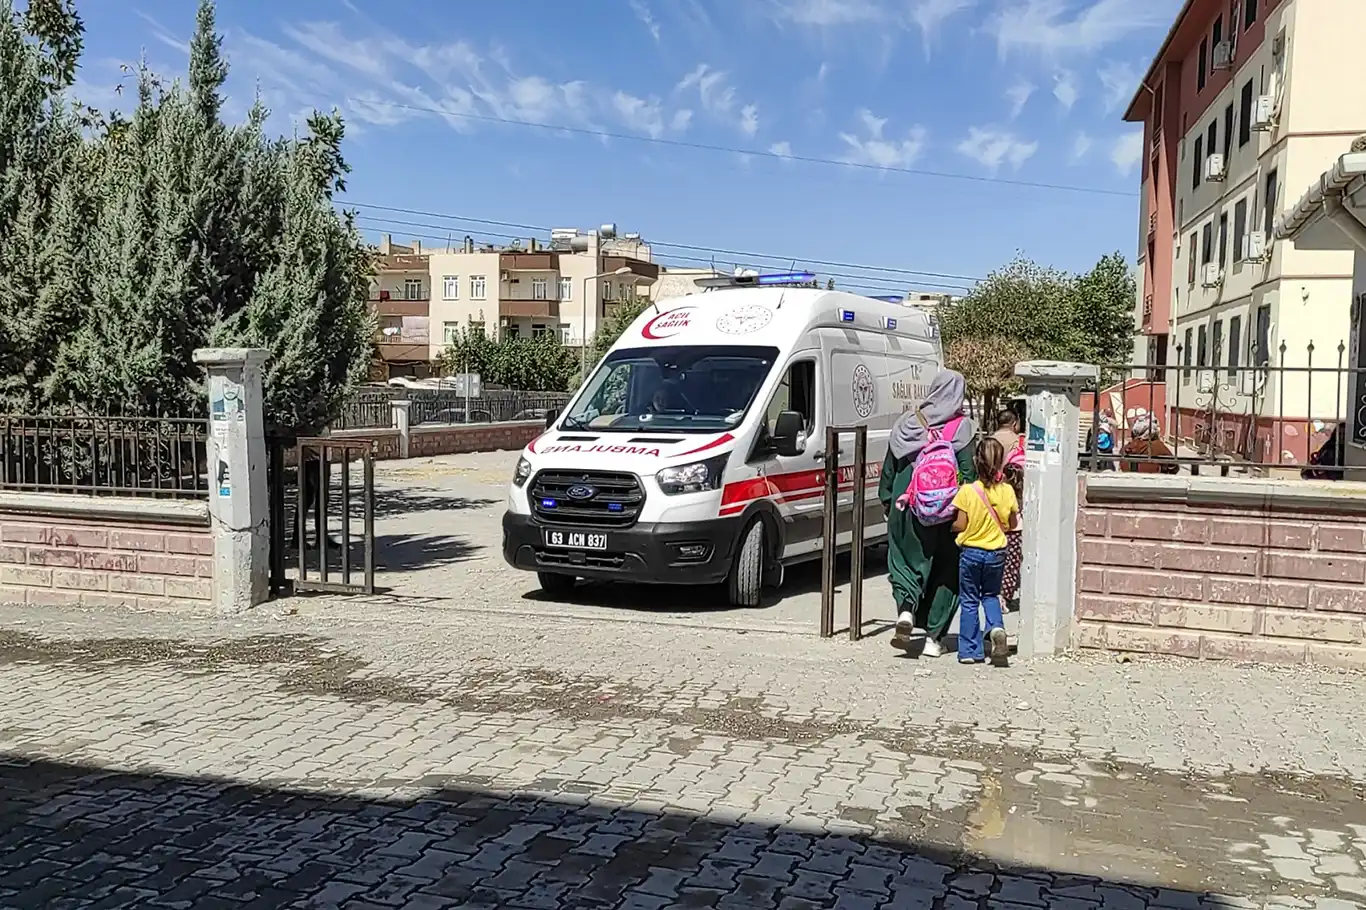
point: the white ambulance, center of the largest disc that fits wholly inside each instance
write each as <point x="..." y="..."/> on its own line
<point x="694" y="453"/>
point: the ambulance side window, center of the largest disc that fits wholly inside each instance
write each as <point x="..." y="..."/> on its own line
<point x="796" y="392"/>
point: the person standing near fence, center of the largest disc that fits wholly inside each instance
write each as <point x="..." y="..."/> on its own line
<point x="1008" y="435"/>
<point x="922" y="559"/>
<point x="987" y="513"/>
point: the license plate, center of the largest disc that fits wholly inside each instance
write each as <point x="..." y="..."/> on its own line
<point x="575" y="540"/>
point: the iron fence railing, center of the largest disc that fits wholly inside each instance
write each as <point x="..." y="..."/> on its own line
<point x="165" y="457"/>
<point x="1275" y="416"/>
<point x="428" y="407"/>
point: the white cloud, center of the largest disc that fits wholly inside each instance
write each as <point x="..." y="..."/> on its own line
<point x="992" y="147"/>
<point x="643" y="14"/>
<point x="827" y="13"/>
<point x="1065" y="89"/>
<point x="1055" y="27"/>
<point x="928" y="15"/>
<point x="1127" y="152"/>
<point x="717" y="97"/>
<point x="1019" y="95"/>
<point x="639" y="114"/>
<point x="682" y="119"/>
<point x="1082" y="145"/>
<point x="749" y="119"/>
<point x="873" y="148"/>
<point x="1119" y="82"/>
<point x="781" y="149"/>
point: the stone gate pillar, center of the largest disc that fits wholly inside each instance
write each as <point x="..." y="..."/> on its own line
<point x="1048" y="580"/>
<point x="239" y="505"/>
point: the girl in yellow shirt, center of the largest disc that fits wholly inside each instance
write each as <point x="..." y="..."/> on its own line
<point x="987" y="511"/>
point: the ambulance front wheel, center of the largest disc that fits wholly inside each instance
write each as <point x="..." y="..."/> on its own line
<point x="746" y="583"/>
<point x="556" y="585"/>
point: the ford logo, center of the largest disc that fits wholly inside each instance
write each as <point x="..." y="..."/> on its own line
<point x="581" y="491"/>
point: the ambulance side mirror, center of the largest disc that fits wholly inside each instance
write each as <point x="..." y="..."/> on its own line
<point x="787" y="435"/>
<point x="550" y="416"/>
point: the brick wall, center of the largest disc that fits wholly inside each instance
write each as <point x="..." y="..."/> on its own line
<point x="1248" y="570"/>
<point x="103" y="560"/>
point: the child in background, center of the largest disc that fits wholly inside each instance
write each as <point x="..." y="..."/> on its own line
<point x="1008" y="434"/>
<point x="987" y="511"/>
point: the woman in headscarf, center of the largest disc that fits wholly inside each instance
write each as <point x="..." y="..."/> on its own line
<point x="1145" y="442"/>
<point x="922" y="561"/>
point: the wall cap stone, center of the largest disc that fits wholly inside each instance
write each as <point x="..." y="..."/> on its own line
<point x="136" y="510"/>
<point x="1340" y="497"/>
<point x="1057" y="370"/>
<point x="478" y="427"/>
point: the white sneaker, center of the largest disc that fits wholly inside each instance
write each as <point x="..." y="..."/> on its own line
<point x="905" y="631"/>
<point x="933" y="648"/>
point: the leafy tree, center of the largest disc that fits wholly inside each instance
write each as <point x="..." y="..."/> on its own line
<point x="127" y="242"/>
<point x="1026" y="311"/>
<point x="540" y="364"/>
<point x="625" y="313"/>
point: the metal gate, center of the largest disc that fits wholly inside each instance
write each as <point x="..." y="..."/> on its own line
<point x="325" y="560"/>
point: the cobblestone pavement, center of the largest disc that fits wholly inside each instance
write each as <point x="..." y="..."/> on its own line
<point x="396" y="759"/>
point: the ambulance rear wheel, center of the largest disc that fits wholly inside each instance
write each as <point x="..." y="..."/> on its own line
<point x="746" y="583"/>
<point x="556" y="585"/>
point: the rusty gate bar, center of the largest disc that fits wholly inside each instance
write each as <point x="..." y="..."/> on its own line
<point x="830" y="529"/>
<point x="830" y="532"/>
<point x="860" y="492"/>
<point x="317" y="452"/>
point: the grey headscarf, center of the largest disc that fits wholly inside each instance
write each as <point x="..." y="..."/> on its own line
<point x="943" y="402"/>
<point x="1144" y="427"/>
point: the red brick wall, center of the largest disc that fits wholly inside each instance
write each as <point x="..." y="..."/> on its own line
<point x="96" y="562"/>
<point x="1278" y="581"/>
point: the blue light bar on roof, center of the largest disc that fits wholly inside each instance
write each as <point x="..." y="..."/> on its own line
<point x="785" y="278"/>
<point x="891" y="298"/>
<point x="846" y="315"/>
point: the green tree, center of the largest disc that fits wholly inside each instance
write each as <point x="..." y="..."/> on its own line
<point x="625" y="313"/>
<point x="127" y="242"/>
<point x="540" y="363"/>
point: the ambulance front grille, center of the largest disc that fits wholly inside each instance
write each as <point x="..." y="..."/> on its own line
<point x="616" y="499"/>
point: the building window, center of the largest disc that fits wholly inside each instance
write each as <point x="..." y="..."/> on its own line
<point x="511" y="330"/>
<point x="1203" y="72"/>
<point x="539" y="331"/>
<point x="450" y="332"/>
<point x="566" y="289"/>
<point x="1245" y="115"/>
<point x="1228" y="133"/>
<point x="1198" y="163"/>
<point x="450" y="287"/>
<point x="538" y="289"/>
<point x="1212" y="143"/>
<point x="1249" y="14"/>
<point x="478" y="287"/>
<point x="1235" y="340"/>
<point x="1223" y="240"/>
<point x="607" y="290"/>
<point x="1218" y="33"/>
<point x="1269" y="214"/>
<point x="1190" y="259"/>
<point x="1217" y="354"/>
<point x="1261" y="354"/>
<point x="476" y="327"/>
<point x="1186" y="358"/>
<point x="412" y="289"/>
<point x="1202" y="347"/>
<point x="1239" y="228"/>
<point x="1207" y="243"/>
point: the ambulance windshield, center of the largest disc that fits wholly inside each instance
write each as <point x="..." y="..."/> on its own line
<point x="672" y="389"/>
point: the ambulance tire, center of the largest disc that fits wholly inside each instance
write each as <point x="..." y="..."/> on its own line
<point x="556" y="585"/>
<point x="746" y="583"/>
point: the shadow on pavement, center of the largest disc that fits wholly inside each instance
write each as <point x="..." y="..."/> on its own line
<point x="85" y="837"/>
<point x="392" y="501"/>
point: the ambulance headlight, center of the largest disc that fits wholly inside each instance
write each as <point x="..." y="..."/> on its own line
<point x="697" y="477"/>
<point x="521" y="472"/>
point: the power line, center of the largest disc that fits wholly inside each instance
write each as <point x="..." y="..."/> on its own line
<point x="875" y="282"/>
<point x="847" y="280"/>
<point x="756" y="153"/>
<point x="740" y="254"/>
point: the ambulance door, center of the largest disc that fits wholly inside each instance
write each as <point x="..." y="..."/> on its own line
<point x="794" y="481"/>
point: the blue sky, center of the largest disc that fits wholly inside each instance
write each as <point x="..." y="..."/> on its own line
<point x="994" y="90"/>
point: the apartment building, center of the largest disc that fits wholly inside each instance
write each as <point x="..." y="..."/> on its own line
<point x="1244" y="98"/>
<point x="400" y="297"/>
<point x="568" y="287"/>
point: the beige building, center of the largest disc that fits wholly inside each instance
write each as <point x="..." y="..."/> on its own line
<point x="422" y="297"/>
<point x="1242" y="100"/>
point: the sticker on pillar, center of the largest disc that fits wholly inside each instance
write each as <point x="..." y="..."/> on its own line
<point x="224" y="480"/>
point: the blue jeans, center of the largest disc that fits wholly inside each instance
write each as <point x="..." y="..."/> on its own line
<point x="979" y="585"/>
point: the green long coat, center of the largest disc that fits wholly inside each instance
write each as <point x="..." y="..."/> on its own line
<point x="922" y="562"/>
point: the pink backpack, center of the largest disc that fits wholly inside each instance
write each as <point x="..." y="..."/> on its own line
<point x="1016" y="456"/>
<point x="934" y="479"/>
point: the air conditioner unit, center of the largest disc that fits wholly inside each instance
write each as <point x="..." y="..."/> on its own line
<point x="1251" y="381"/>
<point x="1212" y="276"/>
<point x="1206" y="381"/>
<point x="1254" y="247"/>
<point x="1223" y="55"/>
<point x="1263" y="113"/>
<point x="1214" y="167"/>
